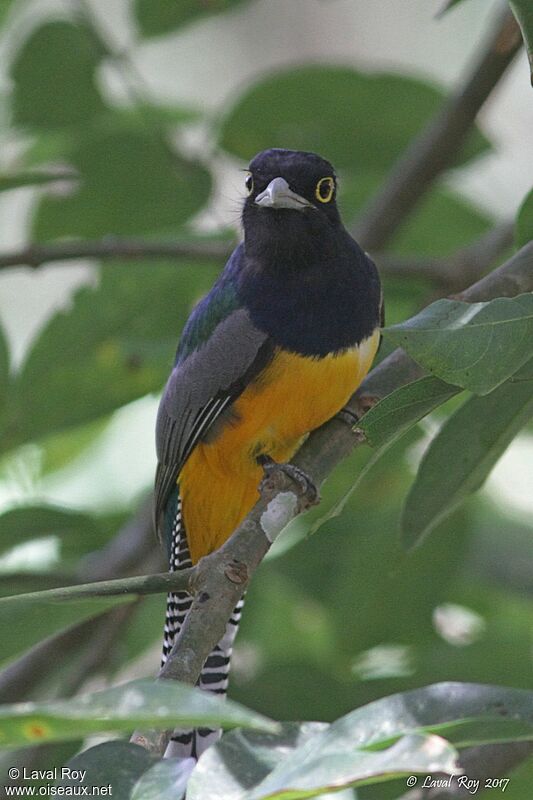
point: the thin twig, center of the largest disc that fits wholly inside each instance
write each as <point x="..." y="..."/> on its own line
<point x="140" y="585"/>
<point x="434" y="149"/>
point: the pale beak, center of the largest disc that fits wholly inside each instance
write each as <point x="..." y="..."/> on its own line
<point x="278" y="195"/>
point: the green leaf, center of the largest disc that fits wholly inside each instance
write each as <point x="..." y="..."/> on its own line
<point x="242" y="759"/>
<point x="473" y="345"/>
<point x="24" y="621"/>
<point x="156" y="17"/>
<point x="54" y="78"/>
<point x="524" y="222"/>
<point x="129" y="770"/>
<point x="466" y="714"/>
<point x="523" y="12"/>
<point x="5" y="8"/>
<point x="461" y="456"/>
<point x="132" y="182"/>
<point x="525" y="373"/>
<point x="116" y="764"/>
<point x="137" y="704"/>
<point x="395" y="414"/>
<point x="166" y="780"/>
<point x="113" y="345"/>
<point x="360" y="122"/>
<point x="240" y="764"/>
<point x="36" y="522"/>
<point x="350" y="767"/>
<point x="385" y="423"/>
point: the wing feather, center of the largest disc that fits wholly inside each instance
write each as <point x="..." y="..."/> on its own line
<point x="200" y="388"/>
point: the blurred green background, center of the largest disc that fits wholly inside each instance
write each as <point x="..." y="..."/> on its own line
<point x="134" y="119"/>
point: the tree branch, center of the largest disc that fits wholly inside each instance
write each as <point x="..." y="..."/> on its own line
<point x="449" y="273"/>
<point x="452" y="273"/>
<point x="35" y="255"/>
<point x="433" y="150"/>
<point x="219" y="580"/>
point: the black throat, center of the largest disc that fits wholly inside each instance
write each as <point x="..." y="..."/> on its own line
<point x="305" y="282"/>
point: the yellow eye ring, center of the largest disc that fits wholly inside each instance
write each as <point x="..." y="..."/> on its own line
<point x="249" y="183"/>
<point x="324" y="190"/>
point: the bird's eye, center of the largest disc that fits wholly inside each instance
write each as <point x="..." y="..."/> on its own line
<point x="249" y="183"/>
<point x="324" y="189"/>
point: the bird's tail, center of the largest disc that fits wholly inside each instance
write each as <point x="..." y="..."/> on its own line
<point x="187" y="743"/>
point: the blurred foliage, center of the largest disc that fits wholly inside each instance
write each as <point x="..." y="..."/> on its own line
<point x="116" y="166"/>
<point x="4" y="374"/>
<point x="443" y="221"/>
<point x="77" y="532"/>
<point x="62" y="55"/>
<point x="463" y="453"/>
<point x="359" y="122"/>
<point x="333" y="620"/>
<point x="114" y="344"/>
<point x="159" y="17"/>
<point x="524" y="222"/>
<point x="524" y="16"/>
<point x="523" y="13"/>
<point x="46" y="619"/>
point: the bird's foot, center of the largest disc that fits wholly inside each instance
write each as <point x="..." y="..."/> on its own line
<point x="359" y="405"/>
<point x="280" y="477"/>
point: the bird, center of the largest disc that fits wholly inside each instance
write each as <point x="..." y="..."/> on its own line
<point x="276" y="348"/>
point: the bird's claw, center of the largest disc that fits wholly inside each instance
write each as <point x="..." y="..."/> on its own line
<point x="359" y="405"/>
<point x="279" y="477"/>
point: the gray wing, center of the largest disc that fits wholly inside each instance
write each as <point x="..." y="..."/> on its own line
<point x="199" y="389"/>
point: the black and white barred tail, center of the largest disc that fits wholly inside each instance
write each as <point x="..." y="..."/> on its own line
<point x="215" y="672"/>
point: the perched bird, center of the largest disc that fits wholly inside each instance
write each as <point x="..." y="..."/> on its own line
<point x="276" y="348"/>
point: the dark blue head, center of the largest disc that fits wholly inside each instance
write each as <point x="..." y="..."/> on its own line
<point x="302" y="277"/>
<point x="291" y="201"/>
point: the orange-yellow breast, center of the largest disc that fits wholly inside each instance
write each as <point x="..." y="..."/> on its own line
<point x="294" y="395"/>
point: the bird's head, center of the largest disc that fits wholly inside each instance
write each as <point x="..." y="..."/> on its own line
<point x="290" y="188"/>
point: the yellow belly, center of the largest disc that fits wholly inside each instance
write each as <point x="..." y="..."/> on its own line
<point x="294" y="395"/>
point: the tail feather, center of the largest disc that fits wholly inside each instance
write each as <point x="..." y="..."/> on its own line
<point x="178" y="603"/>
<point x="215" y="672"/>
